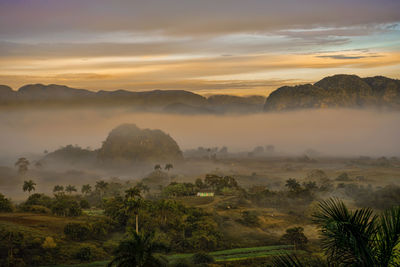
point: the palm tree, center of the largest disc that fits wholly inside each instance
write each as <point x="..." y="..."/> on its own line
<point x="29" y="186"/>
<point x="86" y="189"/>
<point x="101" y="187"/>
<point x="143" y="187"/>
<point x="38" y="164"/>
<point x="169" y="166"/>
<point x="58" y="188"/>
<point x="133" y="203"/>
<point x="70" y="189"/>
<point x="22" y="164"/>
<point x="293" y="185"/>
<point x="163" y="209"/>
<point x="157" y="167"/>
<point x="133" y="192"/>
<point x="138" y="251"/>
<point x="357" y="238"/>
<point x="291" y="260"/>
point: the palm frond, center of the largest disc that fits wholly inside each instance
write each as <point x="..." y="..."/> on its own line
<point x="288" y="260"/>
<point x="347" y="236"/>
<point x="388" y="238"/>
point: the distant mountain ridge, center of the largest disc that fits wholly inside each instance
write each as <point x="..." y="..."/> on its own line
<point x="172" y="101"/>
<point x="338" y="91"/>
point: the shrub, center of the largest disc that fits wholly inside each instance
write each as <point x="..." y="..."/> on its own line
<point x="343" y="177"/>
<point x="77" y="231"/>
<point x="100" y="229"/>
<point x="49" y="243"/>
<point x="84" y="204"/>
<point x="249" y="218"/>
<point x="5" y="204"/>
<point x="84" y="254"/>
<point x="201" y="257"/>
<point x="39" y="200"/>
<point x="295" y="236"/>
<point x="66" y="206"/>
<point x="74" y="209"/>
<point x="35" y="209"/>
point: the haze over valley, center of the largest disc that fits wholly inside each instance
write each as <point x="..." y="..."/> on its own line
<point x="178" y="133"/>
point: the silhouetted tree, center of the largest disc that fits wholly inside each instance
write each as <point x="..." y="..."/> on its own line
<point x="169" y="166"/>
<point x="58" y="189"/>
<point x="70" y="189"/>
<point x="22" y="164"/>
<point x="354" y="238"/>
<point x="29" y="186"/>
<point x="143" y="187"/>
<point x="295" y="236"/>
<point x="293" y="185"/>
<point x="101" y="187"/>
<point x="138" y="251"/>
<point x="86" y="189"/>
<point x="133" y="203"/>
<point x="38" y="165"/>
<point x="157" y="167"/>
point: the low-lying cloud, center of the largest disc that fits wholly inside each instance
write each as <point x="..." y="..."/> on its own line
<point x="332" y="132"/>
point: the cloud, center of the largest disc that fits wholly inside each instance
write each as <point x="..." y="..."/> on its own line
<point x="246" y="73"/>
<point x="346" y="57"/>
<point x="188" y="17"/>
<point x="220" y="45"/>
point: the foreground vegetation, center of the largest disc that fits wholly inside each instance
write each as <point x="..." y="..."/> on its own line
<point x="242" y="224"/>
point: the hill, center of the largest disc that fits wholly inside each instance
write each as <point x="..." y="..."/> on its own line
<point x="128" y="144"/>
<point x="70" y="155"/>
<point x="347" y="91"/>
<point x="172" y="101"/>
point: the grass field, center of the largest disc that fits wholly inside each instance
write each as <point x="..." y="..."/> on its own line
<point x="219" y="256"/>
<point x="239" y="253"/>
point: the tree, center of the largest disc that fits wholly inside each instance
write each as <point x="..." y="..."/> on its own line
<point x="38" y="165"/>
<point x="101" y="187"/>
<point x="86" y="189"/>
<point x="133" y="192"/>
<point x="293" y="185"/>
<point x="249" y="218"/>
<point x="199" y="183"/>
<point x="138" y="251"/>
<point x="217" y="183"/>
<point x="58" y="189"/>
<point x="163" y="209"/>
<point x="29" y="186"/>
<point x="77" y="231"/>
<point x="5" y="204"/>
<point x="355" y="238"/>
<point x="295" y="236"/>
<point x="157" y="167"/>
<point x="70" y="189"/>
<point x="65" y="206"/>
<point x="22" y="164"/>
<point x="310" y="185"/>
<point x="169" y="166"/>
<point x="133" y="203"/>
<point x="143" y="187"/>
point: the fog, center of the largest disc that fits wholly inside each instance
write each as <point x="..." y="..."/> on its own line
<point x="331" y="132"/>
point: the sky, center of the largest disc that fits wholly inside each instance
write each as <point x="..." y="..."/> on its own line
<point x="208" y="46"/>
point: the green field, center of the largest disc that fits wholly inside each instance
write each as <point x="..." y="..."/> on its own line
<point x="221" y="255"/>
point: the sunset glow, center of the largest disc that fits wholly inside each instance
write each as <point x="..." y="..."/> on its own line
<point x="233" y="47"/>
